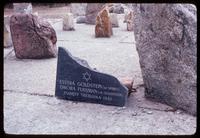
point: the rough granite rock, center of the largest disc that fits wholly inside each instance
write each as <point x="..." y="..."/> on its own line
<point x="32" y="37"/>
<point x="68" y="22"/>
<point x="114" y="20"/>
<point x="22" y="8"/>
<point x="7" y="40"/>
<point x="92" y="10"/>
<point x="103" y="26"/>
<point x="166" y="41"/>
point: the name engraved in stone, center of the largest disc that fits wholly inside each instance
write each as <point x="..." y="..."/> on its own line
<point x="90" y="96"/>
<point x="64" y="87"/>
<point x="66" y="82"/>
<point x="70" y="93"/>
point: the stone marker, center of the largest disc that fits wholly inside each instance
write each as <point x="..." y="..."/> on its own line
<point x="68" y="22"/>
<point x="92" y="10"/>
<point x="103" y="26"/>
<point x="76" y="81"/>
<point x="7" y="40"/>
<point x="22" y="8"/>
<point x="166" y="41"/>
<point x="32" y="37"/>
<point x="128" y="19"/>
<point x="114" y="20"/>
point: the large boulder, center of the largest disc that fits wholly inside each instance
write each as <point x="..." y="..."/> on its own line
<point x="166" y="41"/>
<point x="92" y="10"/>
<point x="103" y="26"/>
<point x="68" y="22"/>
<point x="32" y="37"/>
<point x="7" y="36"/>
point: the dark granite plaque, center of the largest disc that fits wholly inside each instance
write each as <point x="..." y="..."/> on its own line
<point x="76" y="81"/>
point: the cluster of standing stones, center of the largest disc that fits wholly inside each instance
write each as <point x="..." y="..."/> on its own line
<point x="166" y="41"/>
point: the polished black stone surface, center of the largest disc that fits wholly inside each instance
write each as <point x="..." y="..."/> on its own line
<point x="76" y="81"/>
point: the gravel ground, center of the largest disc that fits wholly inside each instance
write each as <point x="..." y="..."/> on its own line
<point x="29" y="86"/>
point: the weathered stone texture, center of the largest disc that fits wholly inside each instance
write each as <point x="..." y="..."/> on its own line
<point x="166" y="41"/>
<point x="32" y="37"/>
<point x="92" y="10"/>
<point x="7" y="36"/>
<point x="68" y="22"/>
<point x="129" y="19"/>
<point x="103" y="26"/>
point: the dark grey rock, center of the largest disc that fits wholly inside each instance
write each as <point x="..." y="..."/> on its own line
<point x="76" y="81"/>
<point x="166" y="41"/>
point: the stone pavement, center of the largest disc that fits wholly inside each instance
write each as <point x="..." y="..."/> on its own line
<point x="29" y="86"/>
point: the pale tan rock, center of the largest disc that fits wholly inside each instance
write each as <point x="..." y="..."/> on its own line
<point x="114" y="20"/>
<point x="129" y="20"/>
<point x="103" y="26"/>
<point x="7" y="36"/>
<point x="68" y="22"/>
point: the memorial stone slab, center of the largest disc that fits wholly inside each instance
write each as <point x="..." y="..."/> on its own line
<point x="76" y="81"/>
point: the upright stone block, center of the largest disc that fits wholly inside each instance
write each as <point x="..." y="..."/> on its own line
<point x="166" y="41"/>
<point x="103" y="26"/>
<point x="7" y="35"/>
<point x="68" y="22"/>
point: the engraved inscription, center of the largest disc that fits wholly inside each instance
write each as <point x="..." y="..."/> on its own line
<point x="88" y="90"/>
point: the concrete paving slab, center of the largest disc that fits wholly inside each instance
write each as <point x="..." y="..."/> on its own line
<point x="34" y="114"/>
